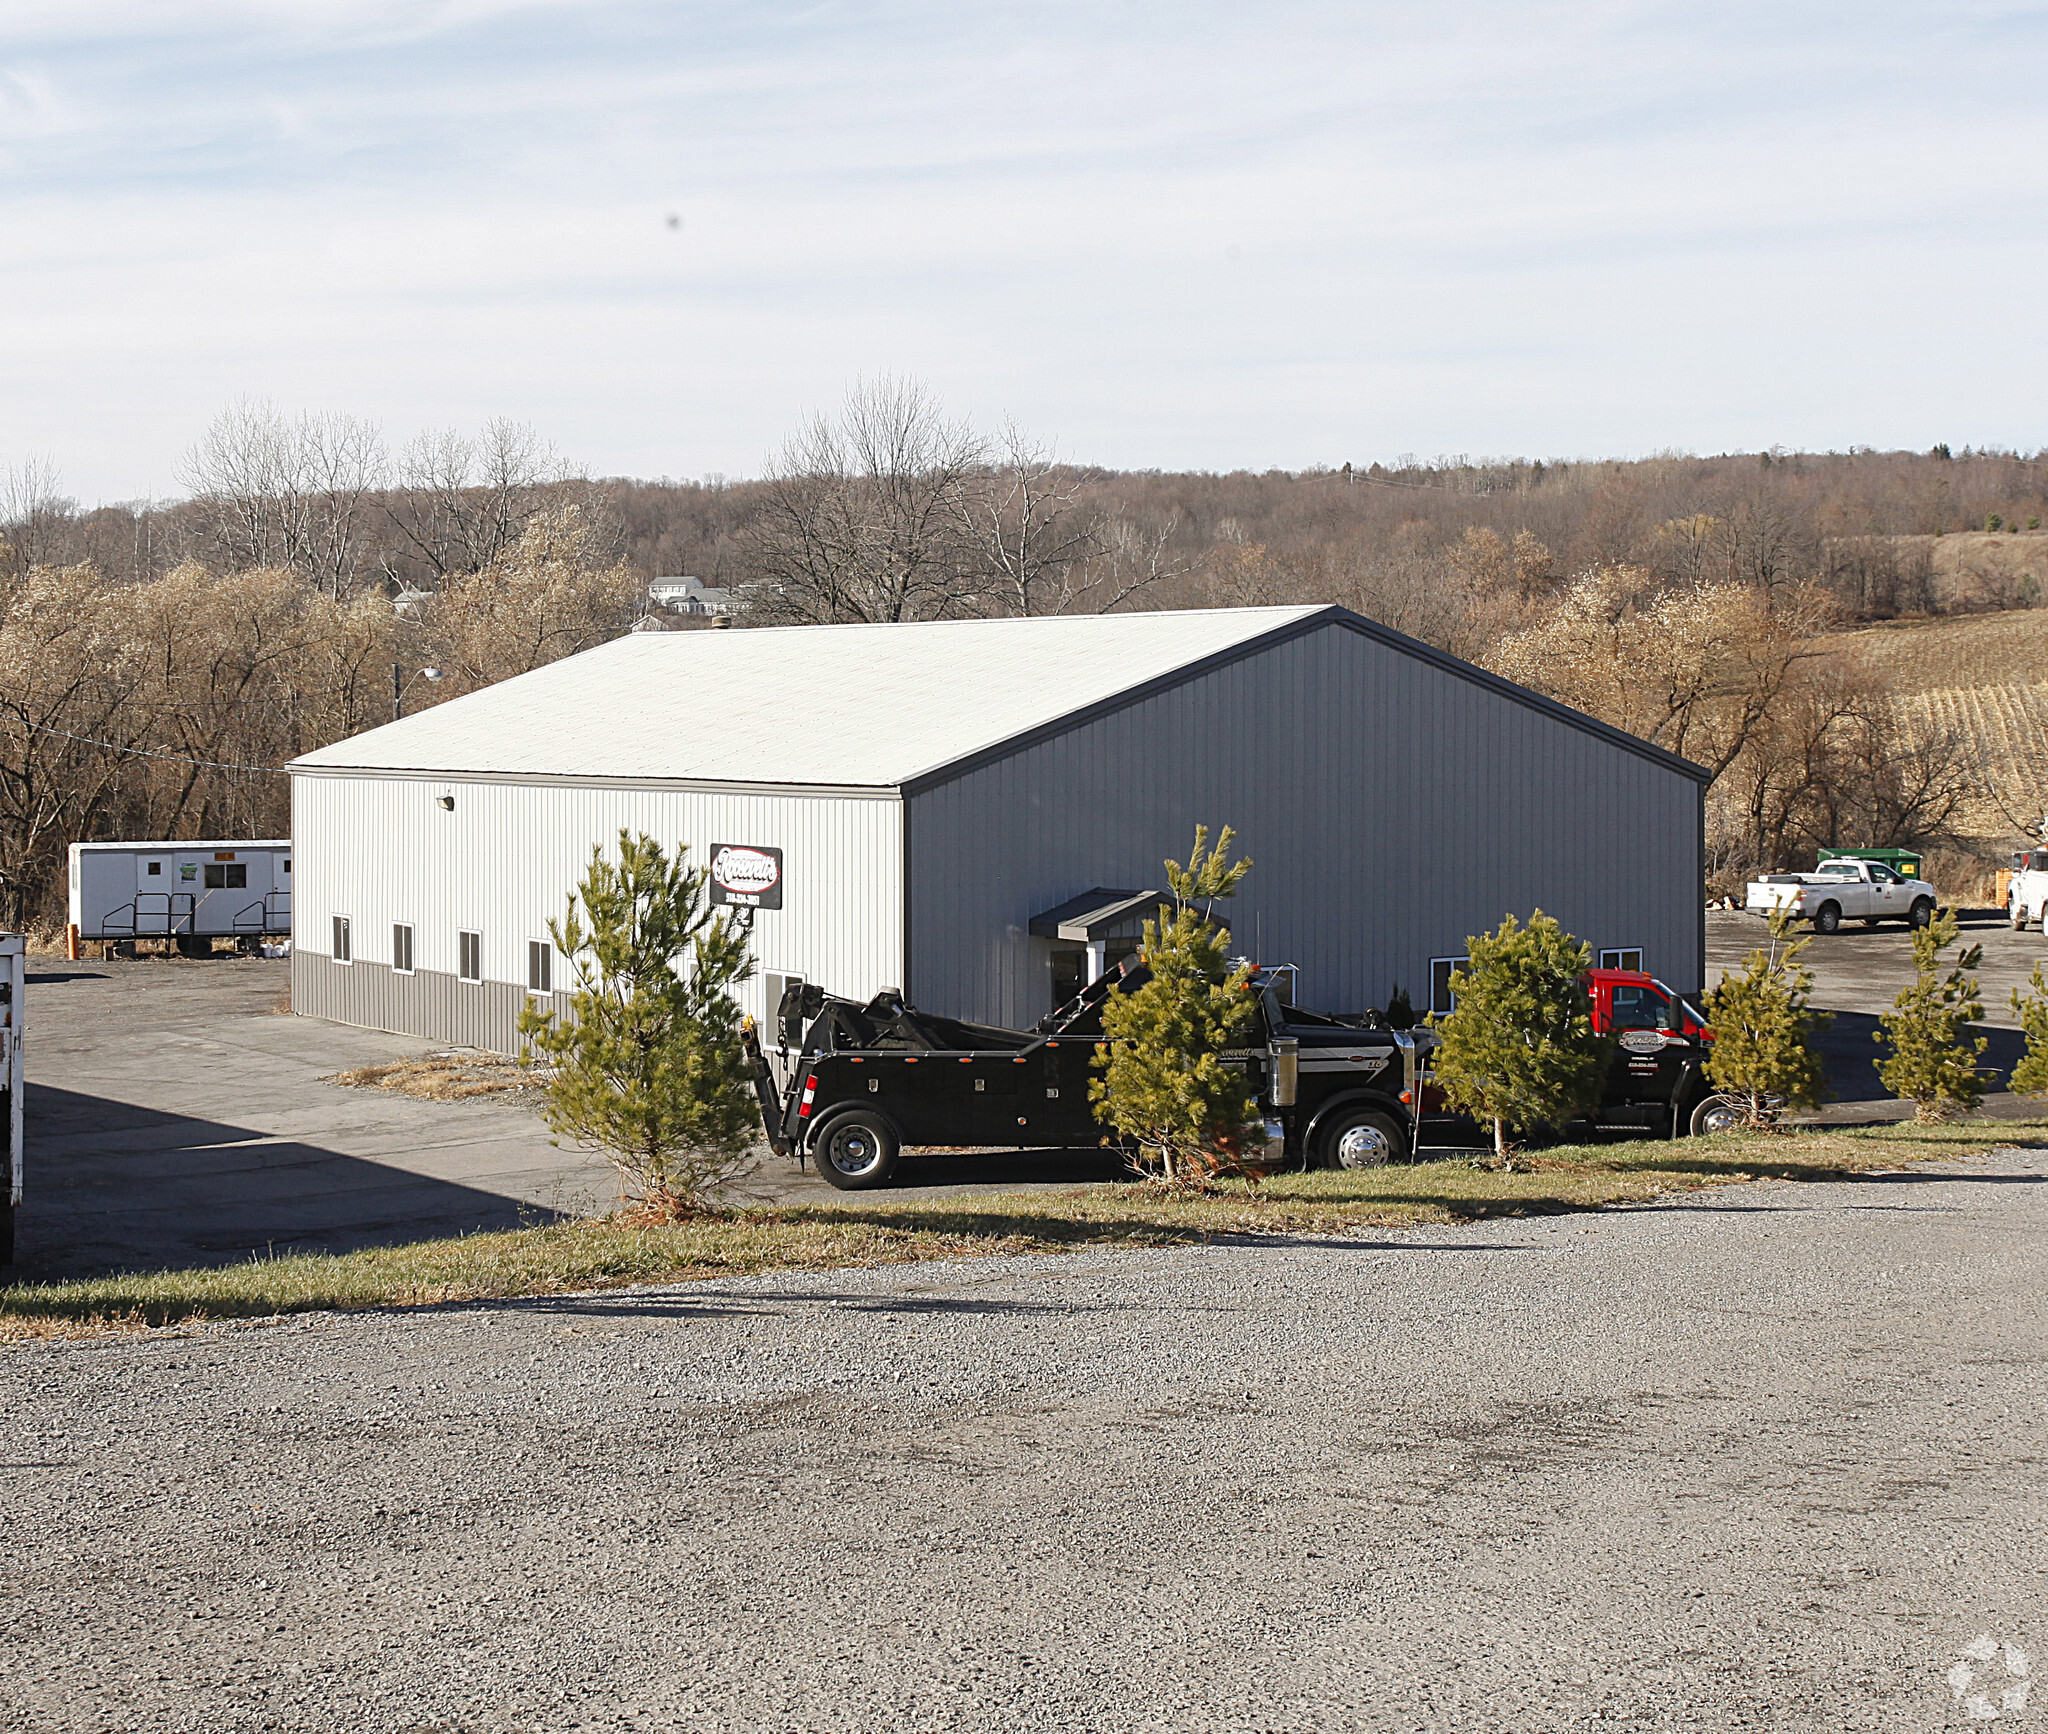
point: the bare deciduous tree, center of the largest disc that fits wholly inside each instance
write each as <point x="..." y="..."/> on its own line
<point x="462" y="503"/>
<point x="864" y="517"/>
<point x="36" y="516"/>
<point x="278" y="490"/>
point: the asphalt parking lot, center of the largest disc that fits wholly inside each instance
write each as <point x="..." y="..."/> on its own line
<point x="1857" y="973"/>
<point x="175" y="1116"/>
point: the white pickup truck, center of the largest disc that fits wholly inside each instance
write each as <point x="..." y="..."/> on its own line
<point x="1838" y="891"/>
<point x="2027" y="900"/>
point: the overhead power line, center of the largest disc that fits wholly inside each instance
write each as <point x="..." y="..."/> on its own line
<point x="146" y="753"/>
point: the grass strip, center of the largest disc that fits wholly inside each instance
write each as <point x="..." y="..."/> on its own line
<point x="583" y="1255"/>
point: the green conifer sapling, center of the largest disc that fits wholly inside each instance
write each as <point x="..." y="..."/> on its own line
<point x="1518" y="1049"/>
<point x="648" y="1065"/>
<point x="1933" y="1062"/>
<point x="1164" y="1086"/>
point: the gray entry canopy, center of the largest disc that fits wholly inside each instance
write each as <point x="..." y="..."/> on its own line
<point x="1100" y="914"/>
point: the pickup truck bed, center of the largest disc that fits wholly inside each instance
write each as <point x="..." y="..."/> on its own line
<point x="1839" y="891"/>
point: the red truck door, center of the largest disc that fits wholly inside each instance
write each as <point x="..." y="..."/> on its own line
<point x="1658" y="1047"/>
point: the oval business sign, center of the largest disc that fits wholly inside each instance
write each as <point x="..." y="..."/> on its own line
<point x="746" y="873"/>
<point x="1642" y="1041"/>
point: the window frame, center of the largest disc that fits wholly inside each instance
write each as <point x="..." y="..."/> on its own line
<point x="1450" y="999"/>
<point x="408" y="967"/>
<point x="469" y="933"/>
<point x="540" y="948"/>
<point x="1612" y="956"/>
<point x="342" y="940"/>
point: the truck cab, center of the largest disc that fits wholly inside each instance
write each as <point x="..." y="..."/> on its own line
<point x="2026" y="896"/>
<point x="1661" y="1041"/>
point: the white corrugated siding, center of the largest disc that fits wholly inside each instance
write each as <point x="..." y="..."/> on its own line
<point x="1392" y="807"/>
<point x="381" y="850"/>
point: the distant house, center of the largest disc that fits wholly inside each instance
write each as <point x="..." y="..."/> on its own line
<point x="693" y="596"/>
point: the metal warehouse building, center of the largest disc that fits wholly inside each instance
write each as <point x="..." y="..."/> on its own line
<point x="970" y="811"/>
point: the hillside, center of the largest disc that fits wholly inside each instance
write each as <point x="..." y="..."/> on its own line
<point x="1983" y="675"/>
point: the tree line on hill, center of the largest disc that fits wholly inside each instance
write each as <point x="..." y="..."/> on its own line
<point x="156" y="659"/>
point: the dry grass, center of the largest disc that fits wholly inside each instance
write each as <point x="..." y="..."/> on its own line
<point x="449" y="1075"/>
<point x="2004" y="649"/>
<point x="1984" y="676"/>
<point x="584" y="1255"/>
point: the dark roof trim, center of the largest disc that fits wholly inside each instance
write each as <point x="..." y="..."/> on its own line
<point x="1326" y="617"/>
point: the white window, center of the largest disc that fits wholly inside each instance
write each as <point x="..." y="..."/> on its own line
<point x="344" y="946"/>
<point x="1441" y="999"/>
<point x="469" y="956"/>
<point x="1628" y="957"/>
<point x="540" y="966"/>
<point x="789" y="1030"/>
<point x="401" y="948"/>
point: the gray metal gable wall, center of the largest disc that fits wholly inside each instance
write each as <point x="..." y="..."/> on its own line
<point x="1392" y="808"/>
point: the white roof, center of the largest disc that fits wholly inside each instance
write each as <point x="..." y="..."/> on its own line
<point x="843" y="706"/>
<point x="186" y="845"/>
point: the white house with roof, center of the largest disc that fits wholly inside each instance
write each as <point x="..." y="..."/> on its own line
<point x="694" y="596"/>
<point x="971" y="811"/>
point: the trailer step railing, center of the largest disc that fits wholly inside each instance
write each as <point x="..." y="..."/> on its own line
<point x="153" y="912"/>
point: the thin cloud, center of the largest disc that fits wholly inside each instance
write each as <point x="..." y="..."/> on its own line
<point x="1165" y="235"/>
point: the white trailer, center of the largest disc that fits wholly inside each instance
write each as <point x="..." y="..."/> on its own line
<point x="13" y="962"/>
<point x="192" y="892"/>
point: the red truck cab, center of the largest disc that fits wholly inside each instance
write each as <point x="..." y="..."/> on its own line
<point x="1658" y="1080"/>
<point x="1661" y="1045"/>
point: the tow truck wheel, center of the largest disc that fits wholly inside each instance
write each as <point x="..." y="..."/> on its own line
<point x="1828" y="918"/>
<point x="1363" y="1138"/>
<point x="1716" y="1114"/>
<point x="1923" y="913"/>
<point x="856" y="1150"/>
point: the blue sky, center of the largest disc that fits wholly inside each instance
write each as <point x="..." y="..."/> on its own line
<point x="1184" y="235"/>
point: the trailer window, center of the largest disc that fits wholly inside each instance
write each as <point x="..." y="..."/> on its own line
<point x="1441" y="999"/>
<point x="540" y="966"/>
<point x="1629" y="957"/>
<point x="401" y="948"/>
<point x="234" y="878"/>
<point x="344" y="950"/>
<point x="156" y="869"/>
<point x="469" y="956"/>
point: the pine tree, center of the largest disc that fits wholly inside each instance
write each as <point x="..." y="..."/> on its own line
<point x="1763" y="1027"/>
<point x="1933" y="1065"/>
<point x="1519" y="1048"/>
<point x="1164" y="1085"/>
<point x="2030" y="1076"/>
<point x="648" y="1065"/>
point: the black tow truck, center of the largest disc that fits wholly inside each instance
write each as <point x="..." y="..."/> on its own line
<point x="851" y="1085"/>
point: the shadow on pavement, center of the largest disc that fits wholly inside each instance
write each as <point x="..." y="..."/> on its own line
<point x="1848" y="1047"/>
<point x="116" y="1188"/>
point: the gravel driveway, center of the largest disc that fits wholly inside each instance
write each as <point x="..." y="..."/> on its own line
<point x="1767" y="1458"/>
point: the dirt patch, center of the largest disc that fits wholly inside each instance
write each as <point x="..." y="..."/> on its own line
<point x="451" y="1075"/>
